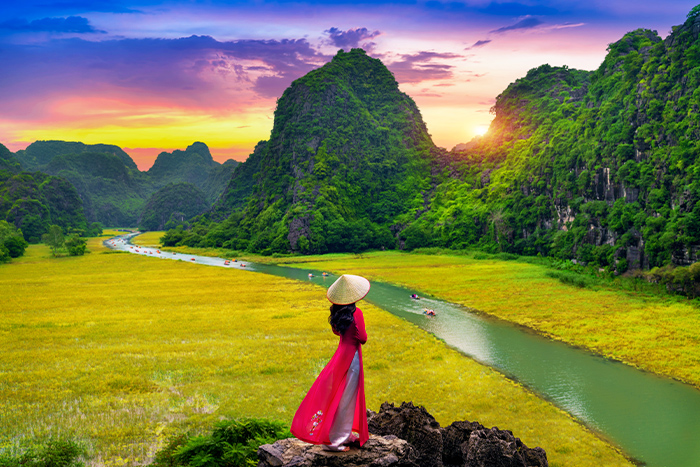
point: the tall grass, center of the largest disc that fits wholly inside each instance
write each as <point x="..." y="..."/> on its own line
<point x="120" y="352"/>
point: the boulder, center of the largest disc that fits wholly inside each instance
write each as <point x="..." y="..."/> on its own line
<point x="415" y="425"/>
<point x="494" y="447"/>
<point x="378" y="451"/>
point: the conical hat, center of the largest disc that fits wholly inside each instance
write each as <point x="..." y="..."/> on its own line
<point x="348" y="289"/>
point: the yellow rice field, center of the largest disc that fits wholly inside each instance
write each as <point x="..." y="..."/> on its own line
<point x="119" y="351"/>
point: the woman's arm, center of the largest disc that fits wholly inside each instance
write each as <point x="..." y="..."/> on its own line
<point x="360" y="333"/>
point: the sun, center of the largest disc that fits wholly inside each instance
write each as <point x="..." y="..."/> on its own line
<point x="481" y="130"/>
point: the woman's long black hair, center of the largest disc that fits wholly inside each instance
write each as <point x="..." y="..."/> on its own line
<point x="341" y="317"/>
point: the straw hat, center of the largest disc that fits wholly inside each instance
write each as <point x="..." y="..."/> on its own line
<point x="348" y="289"/>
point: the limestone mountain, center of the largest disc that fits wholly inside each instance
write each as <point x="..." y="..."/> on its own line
<point x="7" y="160"/>
<point x="34" y="201"/>
<point x="111" y="193"/>
<point x="171" y="206"/>
<point x="42" y="152"/>
<point x="599" y="166"/>
<point x="194" y="165"/>
<point x="112" y="189"/>
<point x="349" y="156"/>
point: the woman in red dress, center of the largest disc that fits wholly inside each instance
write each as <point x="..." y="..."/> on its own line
<point x="334" y="407"/>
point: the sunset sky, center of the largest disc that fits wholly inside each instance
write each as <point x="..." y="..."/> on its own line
<point x="150" y="76"/>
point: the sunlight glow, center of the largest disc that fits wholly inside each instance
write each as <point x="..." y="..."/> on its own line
<point x="481" y="130"/>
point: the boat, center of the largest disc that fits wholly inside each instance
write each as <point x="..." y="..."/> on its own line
<point x="311" y="275"/>
<point x="325" y="274"/>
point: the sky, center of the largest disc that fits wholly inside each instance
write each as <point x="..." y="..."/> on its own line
<point x="152" y="76"/>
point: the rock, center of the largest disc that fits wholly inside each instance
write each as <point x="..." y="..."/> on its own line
<point x="378" y="451"/>
<point x="415" y="425"/>
<point x="455" y="442"/>
<point x="494" y="447"/>
<point x="408" y="436"/>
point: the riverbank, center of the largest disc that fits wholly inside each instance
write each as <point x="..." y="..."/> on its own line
<point x="121" y="351"/>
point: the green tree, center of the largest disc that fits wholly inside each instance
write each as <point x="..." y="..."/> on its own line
<point x="11" y="240"/>
<point x="75" y="245"/>
<point x="15" y="245"/>
<point x="54" y="239"/>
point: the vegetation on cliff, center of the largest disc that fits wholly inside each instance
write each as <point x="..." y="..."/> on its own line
<point x="171" y="206"/>
<point x="348" y="158"/>
<point x="34" y="201"/>
<point x="598" y="166"/>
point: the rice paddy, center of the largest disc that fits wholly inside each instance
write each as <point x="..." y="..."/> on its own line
<point x="120" y="351"/>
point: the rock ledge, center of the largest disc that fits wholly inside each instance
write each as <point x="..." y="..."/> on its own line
<point x="408" y="436"/>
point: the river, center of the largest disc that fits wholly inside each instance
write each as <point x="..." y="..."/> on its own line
<point x="654" y="420"/>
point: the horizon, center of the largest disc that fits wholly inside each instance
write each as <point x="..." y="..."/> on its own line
<point x="152" y="77"/>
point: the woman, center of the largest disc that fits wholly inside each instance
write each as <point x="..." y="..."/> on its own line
<point x="335" y="405"/>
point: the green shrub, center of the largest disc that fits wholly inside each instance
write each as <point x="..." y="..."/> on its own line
<point x="56" y="453"/>
<point x="75" y="245"/>
<point x="232" y="443"/>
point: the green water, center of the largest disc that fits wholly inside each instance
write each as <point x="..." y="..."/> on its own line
<point x="654" y="420"/>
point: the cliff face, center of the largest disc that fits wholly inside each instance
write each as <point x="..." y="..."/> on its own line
<point x="348" y="151"/>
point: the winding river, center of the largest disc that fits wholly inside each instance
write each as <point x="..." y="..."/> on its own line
<point x="655" y="420"/>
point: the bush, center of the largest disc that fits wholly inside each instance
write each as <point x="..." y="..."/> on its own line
<point x="56" y="453"/>
<point x="76" y="245"/>
<point x="232" y="443"/>
<point x="16" y="245"/>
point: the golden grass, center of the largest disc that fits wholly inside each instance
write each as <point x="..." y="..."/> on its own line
<point x="658" y="334"/>
<point x="150" y="239"/>
<point x="120" y="351"/>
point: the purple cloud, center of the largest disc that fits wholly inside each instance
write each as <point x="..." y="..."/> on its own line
<point x="72" y="24"/>
<point x="213" y="72"/>
<point x="415" y="68"/>
<point x="352" y="37"/>
<point x="479" y="43"/>
<point x="528" y="22"/>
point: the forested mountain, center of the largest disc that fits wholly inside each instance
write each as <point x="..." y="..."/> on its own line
<point x="40" y="153"/>
<point x="193" y="165"/>
<point x="348" y="158"/>
<point x="171" y="206"/>
<point x="112" y="193"/>
<point x="601" y="166"/>
<point x="7" y="161"/>
<point x="112" y="189"/>
<point x="34" y="201"/>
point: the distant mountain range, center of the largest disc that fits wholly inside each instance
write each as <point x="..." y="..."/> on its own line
<point x="110" y="188"/>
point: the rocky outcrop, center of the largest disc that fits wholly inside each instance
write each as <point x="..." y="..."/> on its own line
<point x="379" y="451"/>
<point x="415" y="425"/>
<point x="409" y="436"/>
